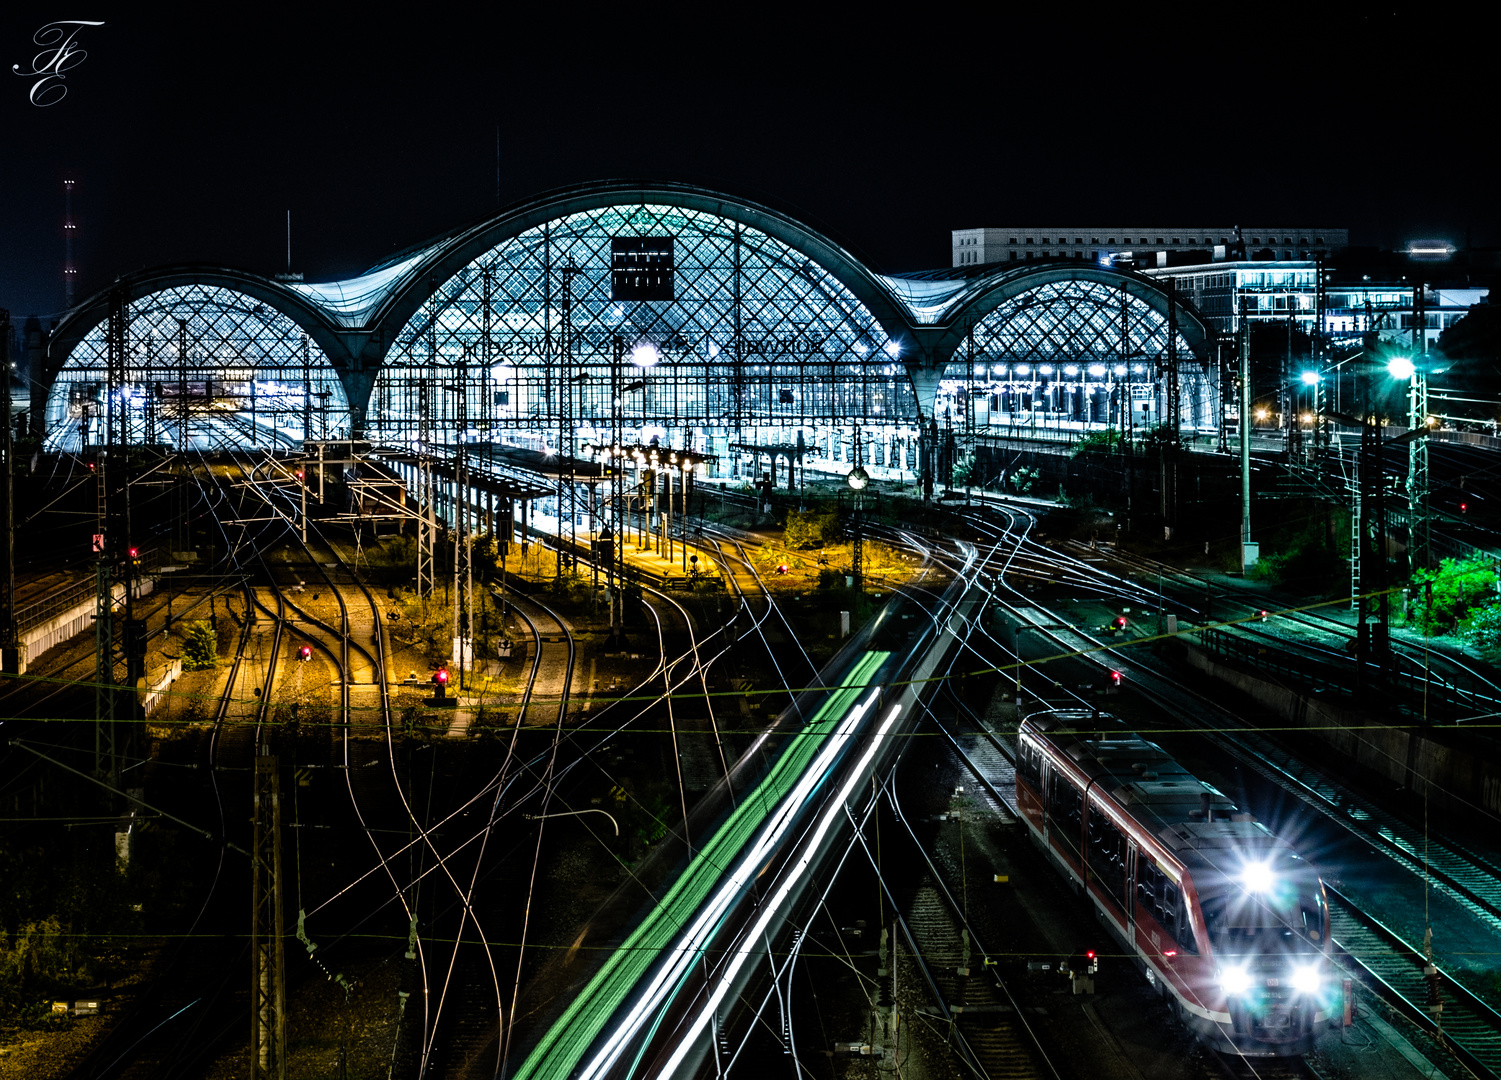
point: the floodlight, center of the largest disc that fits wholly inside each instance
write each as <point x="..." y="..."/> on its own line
<point x="1400" y="367"/>
<point x="645" y="355"/>
<point x="1310" y="378"/>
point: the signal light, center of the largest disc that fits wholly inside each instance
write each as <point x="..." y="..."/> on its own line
<point x="1120" y="622"/>
<point x="441" y="676"/>
<point x="1090" y="954"/>
<point x="1115" y="678"/>
<point x="305" y="653"/>
<point x="1464" y="508"/>
<point x="135" y="553"/>
<point x="782" y="568"/>
<point x="299" y="474"/>
<point x="1262" y="614"/>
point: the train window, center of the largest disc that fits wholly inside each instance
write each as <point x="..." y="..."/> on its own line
<point x="1185" y="931"/>
<point x="1167" y="908"/>
<point x="1107" y="855"/>
<point x="1147" y="878"/>
<point x="1029" y="763"/>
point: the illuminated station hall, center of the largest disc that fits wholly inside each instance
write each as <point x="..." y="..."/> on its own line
<point x="633" y="322"/>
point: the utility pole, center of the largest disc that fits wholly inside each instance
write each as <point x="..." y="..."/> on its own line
<point x="116" y="424"/>
<point x="566" y="424"/>
<point x="463" y="577"/>
<point x="1371" y="637"/>
<point x="427" y="525"/>
<point x="1418" y="519"/>
<point x="268" y="989"/>
<point x="1169" y="478"/>
<point x="1248" y="551"/>
<point x="10" y="656"/>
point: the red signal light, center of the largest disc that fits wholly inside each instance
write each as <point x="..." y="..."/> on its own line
<point x="299" y="474"/>
<point x="1120" y="622"/>
<point x="782" y="568"/>
<point x="1115" y="678"/>
<point x="1262" y="614"/>
<point x="305" y="653"/>
<point x="1090" y="954"/>
<point x="1464" y="507"/>
<point x="441" y="676"/>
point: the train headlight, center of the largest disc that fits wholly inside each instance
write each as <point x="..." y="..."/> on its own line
<point x="1306" y="980"/>
<point x="1257" y="877"/>
<point x="1235" y="980"/>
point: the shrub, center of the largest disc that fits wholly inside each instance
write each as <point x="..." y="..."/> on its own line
<point x="200" y="646"/>
<point x="1442" y="599"/>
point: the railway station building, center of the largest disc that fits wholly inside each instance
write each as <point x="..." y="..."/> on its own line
<point x="622" y="314"/>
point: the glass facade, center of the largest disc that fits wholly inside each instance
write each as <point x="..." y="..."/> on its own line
<point x="1068" y="354"/>
<point x="756" y="340"/>
<point x="200" y="366"/>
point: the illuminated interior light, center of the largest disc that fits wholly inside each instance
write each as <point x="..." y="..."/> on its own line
<point x="1097" y="370"/>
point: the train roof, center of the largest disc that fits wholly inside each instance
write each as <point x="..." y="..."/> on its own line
<point x="1137" y="773"/>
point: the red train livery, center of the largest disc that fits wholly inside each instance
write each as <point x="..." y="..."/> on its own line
<point x="1227" y="921"/>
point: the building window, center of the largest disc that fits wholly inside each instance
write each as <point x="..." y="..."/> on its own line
<point x="1029" y="240"/>
<point x="1045" y="240"/>
<point x="1159" y="240"/>
<point x="1318" y="239"/>
<point x="1111" y="240"/>
<point x="1015" y="255"/>
<point x="1094" y="239"/>
<point x="1013" y="239"/>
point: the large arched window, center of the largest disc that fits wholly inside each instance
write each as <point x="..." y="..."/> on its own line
<point x="1070" y="353"/>
<point x="723" y="333"/>
<point x="199" y="366"/>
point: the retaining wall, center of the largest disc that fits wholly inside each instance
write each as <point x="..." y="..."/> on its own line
<point x="58" y="629"/>
<point x="1459" y="770"/>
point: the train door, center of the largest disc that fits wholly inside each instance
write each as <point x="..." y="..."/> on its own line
<point x="1131" y="892"/>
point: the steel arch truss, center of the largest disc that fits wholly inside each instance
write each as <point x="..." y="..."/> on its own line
<point x="198" y="366"/>
<point x="1071" y="350"/>
<point x="756" y="337"/>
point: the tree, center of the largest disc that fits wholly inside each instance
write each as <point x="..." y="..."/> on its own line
<point x="1442" y="599"/>
<point x="200" y="646"/>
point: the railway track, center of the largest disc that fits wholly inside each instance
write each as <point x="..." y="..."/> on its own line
<point x="1466" y="876"/>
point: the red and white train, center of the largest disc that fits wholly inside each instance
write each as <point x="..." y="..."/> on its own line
<point x="1224" y="917"/>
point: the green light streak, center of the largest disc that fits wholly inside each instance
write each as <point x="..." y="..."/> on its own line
<point x="559" y="1051"/>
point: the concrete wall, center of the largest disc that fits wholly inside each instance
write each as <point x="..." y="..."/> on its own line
<point x="1458" y="770"/>
<point x="155" y="690"/>
<point x="58" y="629"/>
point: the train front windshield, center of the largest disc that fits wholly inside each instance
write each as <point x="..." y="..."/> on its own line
<point x="1286" y="915"/>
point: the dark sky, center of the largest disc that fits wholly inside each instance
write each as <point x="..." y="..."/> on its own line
<point x="192" y="133"/>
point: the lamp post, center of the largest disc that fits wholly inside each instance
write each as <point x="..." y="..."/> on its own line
<point x="858" y="479"/>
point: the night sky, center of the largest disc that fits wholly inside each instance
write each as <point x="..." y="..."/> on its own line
<point x="192" y="134"/>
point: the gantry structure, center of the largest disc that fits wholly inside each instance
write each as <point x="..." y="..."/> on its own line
<point x="649" y="314"/>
